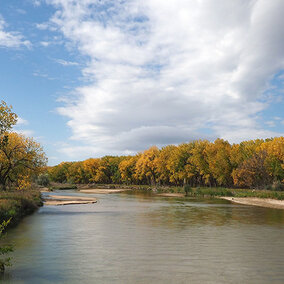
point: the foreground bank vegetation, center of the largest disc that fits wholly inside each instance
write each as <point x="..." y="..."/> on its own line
<point x="21" y="160"/>
<point x="250" y="164"/>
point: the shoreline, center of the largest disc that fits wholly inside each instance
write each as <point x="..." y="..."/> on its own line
<point x="254" y="201"/>
<point x="231" y="195"/>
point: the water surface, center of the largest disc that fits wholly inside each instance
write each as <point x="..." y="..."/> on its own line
<point x="136" y="238"/>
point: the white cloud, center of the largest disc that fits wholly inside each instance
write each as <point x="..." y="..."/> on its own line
<point x="161" y="71"/>
<point x="36" y="3"/>
<point x="45" y="43"/>
<point x="66" y="63"/>
<point x="270" y="123"/>
<point x="42" y="75"/>
<point x="22" y="121"/>
<point x="11" y="38"/>
<point x="25" y="132"/>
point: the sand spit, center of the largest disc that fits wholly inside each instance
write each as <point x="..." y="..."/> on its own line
<point x="68" y="200"/>
<point x="171" y="194"/>
<point x="263" y="202"/>
<point x="103" y="190"/>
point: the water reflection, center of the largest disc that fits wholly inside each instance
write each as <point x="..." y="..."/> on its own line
<point x="136" y="238"/>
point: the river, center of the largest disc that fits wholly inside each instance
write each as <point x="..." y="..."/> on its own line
<point x="140" y="238"/>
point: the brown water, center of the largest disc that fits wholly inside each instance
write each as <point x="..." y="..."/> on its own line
<point x="134" y="238"/>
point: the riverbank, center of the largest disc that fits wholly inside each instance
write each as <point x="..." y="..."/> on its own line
<point x="18" y="204"/>
<point x="265" y="198"/>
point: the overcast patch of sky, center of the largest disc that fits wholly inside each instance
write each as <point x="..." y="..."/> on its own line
<point x="162" y="70"/>
<point x="157" y="72"/>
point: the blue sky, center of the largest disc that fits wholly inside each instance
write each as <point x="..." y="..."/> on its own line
<point x="89" y="78"/>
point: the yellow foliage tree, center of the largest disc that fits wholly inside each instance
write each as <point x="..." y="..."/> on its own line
<point x="179" y="164"/>
<point x="199" y="161"/>
<point x="7" y="118"/>
<point x="162" y="164"/>
<point x="145" y="168"/>
<point x="20" y="156"/>
<point x="95" y="170"/>
<point x="127" y="169"/>
<point x="218" y="157"/>
<point x="275" y="157"/>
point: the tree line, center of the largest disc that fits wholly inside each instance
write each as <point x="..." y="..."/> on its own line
<point x="250" y="164"/>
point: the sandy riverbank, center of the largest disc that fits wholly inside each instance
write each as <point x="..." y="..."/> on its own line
<point x="103" y="190"/>
<point x="68" y="200"/>
<point x="263" y="202"/>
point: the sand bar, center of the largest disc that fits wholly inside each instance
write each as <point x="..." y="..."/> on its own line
<point x="68" y="200"/>
<point x="103" y="190"/>
<point x="263" y="202"/>
<point x="171" y="194"/>
<point x="61" y="202"/>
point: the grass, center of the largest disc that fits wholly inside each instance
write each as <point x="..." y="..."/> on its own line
<point x="17" y="204"/>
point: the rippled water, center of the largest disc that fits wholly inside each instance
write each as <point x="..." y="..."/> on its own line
<point x="135" y="238"/>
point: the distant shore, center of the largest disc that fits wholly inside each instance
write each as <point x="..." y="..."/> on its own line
<point x="255" y="197"/>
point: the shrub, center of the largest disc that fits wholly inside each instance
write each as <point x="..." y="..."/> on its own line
<point x="277" y="185"/>
<point x="4" y="249"/>
<point x="187" y="189"/>
<point x="43" y="180"/>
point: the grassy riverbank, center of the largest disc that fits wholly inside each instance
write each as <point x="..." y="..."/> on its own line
<point x="18" y="204"/>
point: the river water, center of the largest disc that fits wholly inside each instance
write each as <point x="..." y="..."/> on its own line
<point x="139" y="238"/>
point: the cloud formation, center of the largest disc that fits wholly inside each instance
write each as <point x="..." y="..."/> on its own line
<point x="164" y="72"/>
<point x="11" y="39"/>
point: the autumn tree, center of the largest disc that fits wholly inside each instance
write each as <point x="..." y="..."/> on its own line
<point x="179" y="164"/>
<point x="59" y="173"/>
<point x="76" y="173"/>
<point x="145" y="168"/>
<point x="95" y="170"/>
<point x="162" y="164"/>
<point x="111" y="164"/>
<point x="218" y="157"/>
<point x="199" y="161"/>
<point x="127" y="169"/>
<point x="7" y="118"/>
<point x="275" y="157"/>
<point x="20" y="158"/>
<point x="252" y="172"/>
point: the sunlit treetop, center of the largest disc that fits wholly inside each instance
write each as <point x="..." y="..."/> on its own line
<point x="7" y="118"/>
